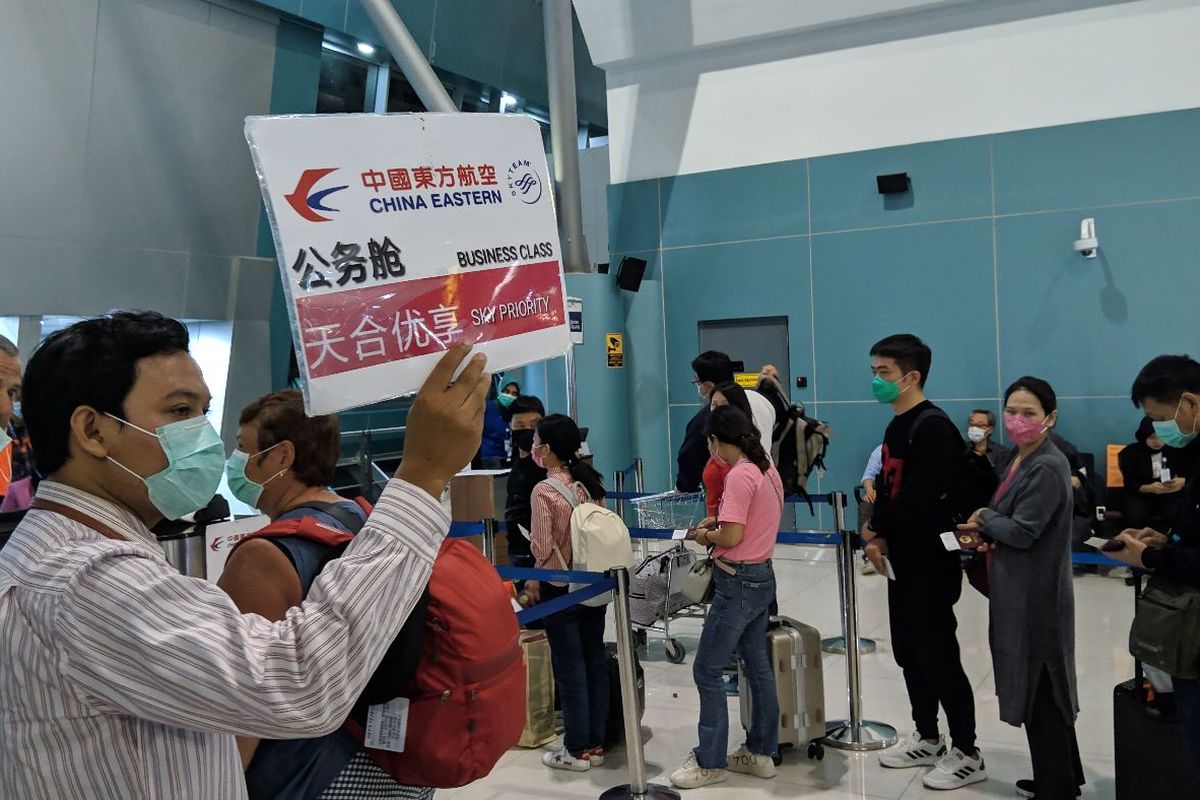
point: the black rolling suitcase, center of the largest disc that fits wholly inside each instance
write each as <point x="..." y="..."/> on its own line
<point x="614" y="730"/>
<point x="1151" y="755"/>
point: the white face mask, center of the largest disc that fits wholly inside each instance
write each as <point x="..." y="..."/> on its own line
<point x="976" y="434"/>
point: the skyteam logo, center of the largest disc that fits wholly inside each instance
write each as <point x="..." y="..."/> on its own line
<point x="524" y="182"/>
<point x="307" y="202"/>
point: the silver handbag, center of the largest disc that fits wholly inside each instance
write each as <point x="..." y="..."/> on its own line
<point x="697" y="585"/>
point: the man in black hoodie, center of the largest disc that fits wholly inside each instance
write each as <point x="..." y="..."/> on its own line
<point x="1168" y="390"/>
<point x="922" y="449"/>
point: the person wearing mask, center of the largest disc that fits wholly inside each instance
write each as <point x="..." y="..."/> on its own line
<point x="919" y="467"/>
<point x="505" y="398"/>
<point x="711" y="369"/>
<point x="727" y="394"/>
<point x="742" y="537"/>
<point x="17" y="475"/>
<point x="283" y="463"/>
<point x="129" y="680"/>
<point x="527" y="412"/>
<point x="1153" y="478"/>
<point x="493" y="448"/>
<point x="981" y="424"/>
<point x="1026" y="532"/>
<point x="576" y="634"/>
<point x="1168" y="390"/>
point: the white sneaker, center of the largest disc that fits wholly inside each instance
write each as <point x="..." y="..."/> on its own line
<point x="748" y="763"/>
<point x="692" y="776"/>
<point x="914" y="752"/>
<point x="955" y="770"/>
<point x="562" y="759"/>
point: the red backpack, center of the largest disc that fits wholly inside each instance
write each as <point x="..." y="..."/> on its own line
<point x="467" y="692"/>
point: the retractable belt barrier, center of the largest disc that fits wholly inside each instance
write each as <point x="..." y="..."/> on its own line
<point x="819" y="537"/>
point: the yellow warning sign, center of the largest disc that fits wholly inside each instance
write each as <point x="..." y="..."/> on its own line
<point x="746" y="380"/>
<point x="614" y="348"/>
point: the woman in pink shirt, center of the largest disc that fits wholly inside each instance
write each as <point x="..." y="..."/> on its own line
<point x="576" y="634"/>
<point x="742" y="538"/>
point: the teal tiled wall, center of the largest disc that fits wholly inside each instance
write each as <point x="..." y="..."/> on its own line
<point x="977" y="259"/>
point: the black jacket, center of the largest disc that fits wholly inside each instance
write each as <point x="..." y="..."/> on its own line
<point x="517" y="508"/>
<point x="693" y="453"/>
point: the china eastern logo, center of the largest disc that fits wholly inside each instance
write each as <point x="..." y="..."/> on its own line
<point x="307" y="200"/>
<point x="524" y="182"/>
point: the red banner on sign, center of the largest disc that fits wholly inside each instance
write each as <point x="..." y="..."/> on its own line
<point x="363" y="328"/>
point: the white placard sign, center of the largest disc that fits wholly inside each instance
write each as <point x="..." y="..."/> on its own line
<point x="399" y="234"/>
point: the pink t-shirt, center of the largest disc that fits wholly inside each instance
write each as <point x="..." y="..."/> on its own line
<point x="754" y="499"/>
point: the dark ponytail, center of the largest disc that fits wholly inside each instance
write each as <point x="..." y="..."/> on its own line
<point x="731" y="426"/>
<point x="562" y="435"/>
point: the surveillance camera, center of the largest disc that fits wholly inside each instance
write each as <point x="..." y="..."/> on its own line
<point x="1087" y="243"/>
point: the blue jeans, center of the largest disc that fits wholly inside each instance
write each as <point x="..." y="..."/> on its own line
<point x="737" y="622"/>
<point x="580" y="667"/>
<point x="1187" y="703"/>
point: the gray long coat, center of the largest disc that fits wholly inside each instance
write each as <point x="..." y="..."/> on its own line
<point x="1032" y="599"/>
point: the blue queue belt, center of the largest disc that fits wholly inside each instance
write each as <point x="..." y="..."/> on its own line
<point x="817" y="499"/>
<point x="460" y="530"/>
<point x="597" y="584"/>
<point x="833" y="539"/>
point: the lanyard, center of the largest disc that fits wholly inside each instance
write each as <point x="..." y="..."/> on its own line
<point x="75" y="515"/>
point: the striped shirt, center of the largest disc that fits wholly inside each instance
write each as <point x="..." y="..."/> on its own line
<point x="551" y="520"/>
<point x="122" y="680"/>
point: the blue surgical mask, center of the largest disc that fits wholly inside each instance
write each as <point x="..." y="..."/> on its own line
<point x="243" y="488"/>
<point x="17" y="410"/>
<point x="5" y="441"/>
<point x="1170" y="432"/>
<point x="195" y="461"/>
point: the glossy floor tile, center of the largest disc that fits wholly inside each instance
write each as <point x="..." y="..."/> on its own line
<point x="808" y="591"/>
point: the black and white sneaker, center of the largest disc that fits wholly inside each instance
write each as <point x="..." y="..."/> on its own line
<point x="914" y="752"/>
<point x="1025" y="788"/>
<point x="956" y="770"/>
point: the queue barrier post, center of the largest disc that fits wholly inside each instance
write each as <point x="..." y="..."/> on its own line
<point x="638" y="788"/>
<point x="853" y="733"/>
<point x="489" y="540"/>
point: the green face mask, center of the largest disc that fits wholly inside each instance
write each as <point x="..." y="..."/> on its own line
<point x="195" y="458"/>
<point x="240" y="484"/>
<point x="505" y="400"/>
<point x="886" y="391"/>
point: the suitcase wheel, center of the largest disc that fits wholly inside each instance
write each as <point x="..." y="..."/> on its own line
<point x="676" y="652"/>
<point x="816" y="750"/>
<point x="778" y="757"/>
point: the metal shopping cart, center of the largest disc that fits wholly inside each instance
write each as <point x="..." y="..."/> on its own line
<point x="656" y="586"/>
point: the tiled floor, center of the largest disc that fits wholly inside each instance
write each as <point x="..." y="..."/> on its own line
<point x="809" y="592"/>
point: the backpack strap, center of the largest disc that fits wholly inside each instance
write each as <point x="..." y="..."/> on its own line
<point x="572" y="497"/>
<point x="928" y="413"/>
<point x="569" y="492"/>
<point x="344" y="517"/>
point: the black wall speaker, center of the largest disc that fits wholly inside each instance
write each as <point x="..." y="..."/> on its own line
<point x="630" y="273"/>
<point x="892" y="184"/>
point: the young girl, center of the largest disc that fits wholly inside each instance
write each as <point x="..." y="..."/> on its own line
<point x="726" y="394"/>
<point x="576" y="634"/>
<point x="743" y="539"/>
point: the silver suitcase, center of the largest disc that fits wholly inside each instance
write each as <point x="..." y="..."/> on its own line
<point x="795" y="652"/>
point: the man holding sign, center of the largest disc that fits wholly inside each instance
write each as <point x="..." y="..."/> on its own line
<point x="123" y="679"/>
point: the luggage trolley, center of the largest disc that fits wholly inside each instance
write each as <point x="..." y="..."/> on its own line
<point x="656" y="585"/>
